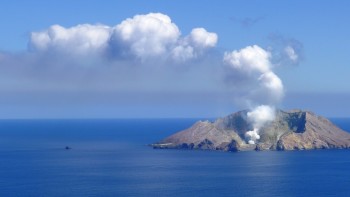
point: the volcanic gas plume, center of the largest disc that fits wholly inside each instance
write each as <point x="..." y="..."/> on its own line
<point x="262" y="88"/>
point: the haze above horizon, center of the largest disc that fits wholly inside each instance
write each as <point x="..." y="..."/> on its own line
<point x="151" y="59"/>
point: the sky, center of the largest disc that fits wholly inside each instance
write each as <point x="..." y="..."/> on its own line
<point x="165" y="59"/>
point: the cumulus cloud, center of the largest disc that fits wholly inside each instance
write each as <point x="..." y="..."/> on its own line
<point x="248" y="60"/>
<point x="202" y="39"/>
<point x="194" y="45"/>
<point x="143" y="37"/>
<point x="80" y="39"/>
<point x="147" y="35"/>
<point x="253" y="65"/>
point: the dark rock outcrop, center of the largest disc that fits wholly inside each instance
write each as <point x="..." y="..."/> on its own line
<point x="294" y="130"/>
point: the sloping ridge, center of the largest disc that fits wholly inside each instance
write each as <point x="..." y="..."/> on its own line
<point x="293" y="130"/>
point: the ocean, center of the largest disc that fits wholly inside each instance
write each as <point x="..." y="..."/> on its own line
<point x="111" y="158"/>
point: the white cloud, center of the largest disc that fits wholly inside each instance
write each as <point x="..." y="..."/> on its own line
<point x="183" y="52"/>
<point x="194" y="45"/>
<point x="143" y="37"/>
<point x="254" y="65"/>
<point x="249" y="59"/>
<point x="203" y="39"/>
<point x="273" y="85"/>
<point x="148" y="35"/>
<point x="80" y="39"/>
<point x="291" y="54"/>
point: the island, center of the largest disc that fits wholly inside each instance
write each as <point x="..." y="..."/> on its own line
<point x="292" y="130"/>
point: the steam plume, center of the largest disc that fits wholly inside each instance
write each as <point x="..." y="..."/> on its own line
<point x="265" y="88"/>
<point x="258" y="117"/>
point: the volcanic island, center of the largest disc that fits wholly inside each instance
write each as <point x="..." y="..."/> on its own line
<point x="290" y="130"/>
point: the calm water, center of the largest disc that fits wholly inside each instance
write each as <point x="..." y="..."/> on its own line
<point x="109" y="158"/>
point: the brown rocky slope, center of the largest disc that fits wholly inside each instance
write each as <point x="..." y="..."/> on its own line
<point x="293" y="130"/>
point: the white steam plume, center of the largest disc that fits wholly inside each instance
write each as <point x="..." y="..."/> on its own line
<point x="258" y="117"/>
<point x="266" y="89"/>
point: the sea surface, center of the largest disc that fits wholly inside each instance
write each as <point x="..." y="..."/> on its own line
<point x="111" y="158"/>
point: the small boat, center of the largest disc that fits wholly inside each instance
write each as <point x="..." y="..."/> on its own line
<point x="68" y="148"/>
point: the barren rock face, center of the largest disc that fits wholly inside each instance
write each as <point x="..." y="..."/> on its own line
<point x="319" y="133"/>
<point x="294" y="130"/>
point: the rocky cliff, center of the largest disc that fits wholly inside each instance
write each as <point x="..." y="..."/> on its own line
<point x="293" y="130"/>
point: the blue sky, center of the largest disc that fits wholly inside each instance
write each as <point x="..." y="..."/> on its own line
<point x="318" y="82"/>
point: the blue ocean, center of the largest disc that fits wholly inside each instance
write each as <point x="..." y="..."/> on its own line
<point x="111" y="158"/>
